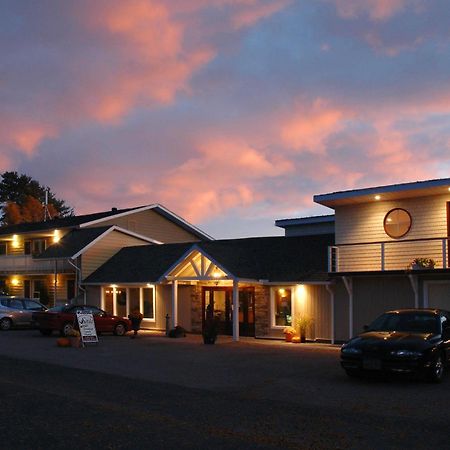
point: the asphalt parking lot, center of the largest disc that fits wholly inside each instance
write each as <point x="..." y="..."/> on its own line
<point x="301" y="382"/>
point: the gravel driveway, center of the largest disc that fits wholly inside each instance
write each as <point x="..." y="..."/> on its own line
<point x="272" y="381"/>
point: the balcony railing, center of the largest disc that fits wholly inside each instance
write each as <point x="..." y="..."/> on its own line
<point x="387" y="255"/>
<point x="27" y="264"/>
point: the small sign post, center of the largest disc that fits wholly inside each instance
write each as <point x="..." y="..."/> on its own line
<point x="87" y="327"/>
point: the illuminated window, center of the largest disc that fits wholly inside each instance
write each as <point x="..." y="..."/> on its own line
<point x="149" y="304"/>
<point x="397" y="223"/>
<point x="282" y="307"/>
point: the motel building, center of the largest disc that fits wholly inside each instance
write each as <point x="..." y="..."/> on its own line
<point x="374" y="249"/>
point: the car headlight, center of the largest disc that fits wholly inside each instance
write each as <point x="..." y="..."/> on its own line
<point x="350" y="351"/>
<point x="406" y="353"/>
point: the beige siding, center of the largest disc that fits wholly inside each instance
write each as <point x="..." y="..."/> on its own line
<point x="371" y="297"/>
<point x="152" y="225"/>
<point x="104" y="249"/>
<point x="438" y="294"/>
<point x="318" y="306"/>
<point x="364" y="222"/>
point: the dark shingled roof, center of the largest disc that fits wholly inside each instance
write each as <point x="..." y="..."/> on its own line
<point x="60" y="222"/>
<point x="72" y="242"/>
<point x="280" y="259"/>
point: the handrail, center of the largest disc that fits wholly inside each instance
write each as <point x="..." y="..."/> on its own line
<point x="393" y="242"/>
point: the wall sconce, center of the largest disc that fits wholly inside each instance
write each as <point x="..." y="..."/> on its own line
<point x="15" y="241"/>
<point x="56" y="236"/>
<point x="15" y="281"/>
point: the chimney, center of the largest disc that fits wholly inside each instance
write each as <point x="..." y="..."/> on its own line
<point x="114" y="209"/>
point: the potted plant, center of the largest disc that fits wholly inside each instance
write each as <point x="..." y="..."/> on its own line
<point x="210" y="330"/>
<point x="303" y="323"/>
<point x="289" y="332"/>
<point x="422" y="263"/>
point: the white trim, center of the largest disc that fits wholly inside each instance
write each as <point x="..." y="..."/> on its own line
<point x="235" y="310"/>
<point x="108" y="231"/>
<point x="167" y="274"/>
<point x="146" y="208"/>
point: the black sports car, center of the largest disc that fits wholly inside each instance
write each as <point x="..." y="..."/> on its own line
<point x="402" y="341"/>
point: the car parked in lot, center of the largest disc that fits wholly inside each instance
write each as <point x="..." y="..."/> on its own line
<point x="63" y="320"/>
<point x="401" y="341"/>
<point x="18" y="312"/>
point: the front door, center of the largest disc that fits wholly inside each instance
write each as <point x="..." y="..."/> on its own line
<point x="220" y="300"/>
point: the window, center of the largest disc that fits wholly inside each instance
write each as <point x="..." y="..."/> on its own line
<point x="397" y="223"/>
<point x="32" y="306"/>
<point x="149" y="303"/>
<point x="282" y="307"/>
<point x="35" y="246"/>
<point x="3" y="248"/>
<point x="15" y="304"/>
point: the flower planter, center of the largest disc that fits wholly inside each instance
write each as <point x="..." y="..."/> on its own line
<point x="288" y="337"/>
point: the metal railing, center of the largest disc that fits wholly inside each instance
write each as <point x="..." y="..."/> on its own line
<point x="27" y="264"/>
<point x="387" y="255"/>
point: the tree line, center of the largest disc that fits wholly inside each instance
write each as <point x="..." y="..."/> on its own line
<point x="22" y="200"/>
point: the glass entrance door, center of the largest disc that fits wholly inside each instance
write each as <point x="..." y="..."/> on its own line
<point x="220" y="301"/>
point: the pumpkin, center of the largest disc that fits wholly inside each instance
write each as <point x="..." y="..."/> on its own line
<point x="63" y="342"/>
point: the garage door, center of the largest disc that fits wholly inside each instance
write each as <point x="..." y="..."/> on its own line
<point x="439" y="295"/>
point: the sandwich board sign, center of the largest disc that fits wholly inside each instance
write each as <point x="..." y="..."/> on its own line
<point x="87" y="327"/>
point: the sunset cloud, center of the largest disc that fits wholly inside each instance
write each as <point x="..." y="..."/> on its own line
<point x="232" y="113"/>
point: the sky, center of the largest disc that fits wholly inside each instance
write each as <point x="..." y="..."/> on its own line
<point x="230" y="113"/>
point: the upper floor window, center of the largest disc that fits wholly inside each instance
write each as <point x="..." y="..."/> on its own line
<point x="35" y="246"/>
<point x="3" y="248"/>
<point x="397" y="223"/>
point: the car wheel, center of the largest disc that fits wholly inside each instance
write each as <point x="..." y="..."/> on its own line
<point x="5" y="324"/>
<point x="46" y="332"/>
<point x="436" y="371"/>
<point x="66" y="329"/>
<point x="120" y="329"/>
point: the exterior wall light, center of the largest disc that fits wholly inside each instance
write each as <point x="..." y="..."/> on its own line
<point x="15" y="281"/>
<point x="377" y="197"/>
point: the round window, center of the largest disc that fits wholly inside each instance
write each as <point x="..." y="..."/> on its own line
<point x="397" y="223"/>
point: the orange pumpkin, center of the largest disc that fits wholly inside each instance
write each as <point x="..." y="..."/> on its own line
<point x="63" y="342"/>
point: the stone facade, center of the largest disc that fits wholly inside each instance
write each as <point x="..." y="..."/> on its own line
<point x="262" y="310"/>
<point x="196" y="309"/>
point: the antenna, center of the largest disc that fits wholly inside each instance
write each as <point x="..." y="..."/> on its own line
<point x="45" y="205"/>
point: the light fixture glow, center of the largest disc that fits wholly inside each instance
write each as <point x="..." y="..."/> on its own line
<point x="56" y="236"/>
<point x="15" y="281"/>
<point x="377" y="197"/>
<point x="216" y="274"/>
<point x="15" y="241"/>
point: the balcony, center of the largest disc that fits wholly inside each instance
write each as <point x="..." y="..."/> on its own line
<point x="15" y="264"/>
<point x="387" y="255"/>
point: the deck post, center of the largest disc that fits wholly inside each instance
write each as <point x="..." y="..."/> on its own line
<point x="349" y="286"/>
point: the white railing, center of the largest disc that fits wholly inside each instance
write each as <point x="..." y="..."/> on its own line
<point x="387" y="255"/>
<point x="27" y="264"/>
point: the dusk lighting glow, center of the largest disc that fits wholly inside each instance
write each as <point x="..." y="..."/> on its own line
<point x="230" y="113"/>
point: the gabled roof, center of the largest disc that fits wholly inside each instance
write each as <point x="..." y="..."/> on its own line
<point x="390" y="192"/>
<point x="98" y="218"/>
<point x="79" y="240"/>
<point x="272" y="259"/>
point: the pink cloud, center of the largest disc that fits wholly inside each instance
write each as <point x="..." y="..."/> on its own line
<point x="256" y="12"/>
<point x="376" y="9"/>
<point x="309" y="126"/>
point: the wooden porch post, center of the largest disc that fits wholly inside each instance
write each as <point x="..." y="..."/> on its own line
<point x="128" y="301"/>
<point x="114" y="301"/>
<point x="331" y="292"/>
<point x="349" y="286"/>
<point x="235" y="310"/>
<point x="174" y="303"/>
<point x="102" y="298"/>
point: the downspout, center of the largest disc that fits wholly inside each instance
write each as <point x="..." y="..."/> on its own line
<point x="78" y="279"/>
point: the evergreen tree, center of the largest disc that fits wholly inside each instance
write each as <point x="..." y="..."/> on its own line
<point x="22" y="199"/>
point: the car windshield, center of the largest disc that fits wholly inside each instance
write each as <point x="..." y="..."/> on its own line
<point x="412" y="322"/>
